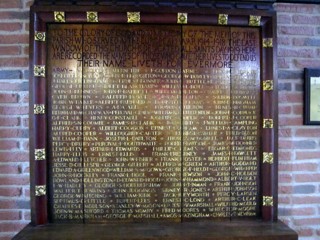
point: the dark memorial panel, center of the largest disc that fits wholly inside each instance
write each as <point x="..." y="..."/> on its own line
<point x="153" y="122"/>
<point x="245" y="102"/>
<point x="206" y="122"/>
<point x="65" y="124"/>
<point x="132" y="136"/>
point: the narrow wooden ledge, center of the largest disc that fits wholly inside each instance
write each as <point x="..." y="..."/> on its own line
<point x="189" y="230"/>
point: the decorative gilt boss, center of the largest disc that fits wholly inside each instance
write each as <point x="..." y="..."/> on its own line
<point x="40" y="190"/>
<point x="254" y="21"/>
<point x="267" y="201"/>
<point x="39" y="70"/>
<point x="133" y="17"/>
<point x="182" y="18"/>
<point x="59" y="17"/>
<point x="267" y="85"/>
<point x="92" y="17"/>
<point x="267" y="43"/>
<point x="40" y="36"/>
<point x="223" y="19"/>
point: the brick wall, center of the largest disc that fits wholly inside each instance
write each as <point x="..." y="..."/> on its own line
<point x="299" y="150"/>
<point x="14" y="170"/>
<point x="299" y="146"/>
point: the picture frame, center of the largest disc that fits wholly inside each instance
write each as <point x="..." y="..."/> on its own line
<point x="311" y="96"/>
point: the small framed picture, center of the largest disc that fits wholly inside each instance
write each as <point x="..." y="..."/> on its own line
<point x="312" y="96"/>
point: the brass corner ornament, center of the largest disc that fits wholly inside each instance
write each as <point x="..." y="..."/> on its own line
<point x="40" y="190"/>
<point x="223" y="19"/>
<point x="40" y="36"/>
<point x="39" y="70"/>
<point x="92" y="17"/>
<point x="267" y="85"/>
<point x="267" y="42"/>
<point x="40" y="154"/>
<point x="267" y="201"/>
<point x="39" y="109"/>
<point x="267" y="123"/>
<point x="59" y="17"/>
<point x="182" y="18"/>
<point x="254" y="21"/>
<point x="133" y="17"/>
<point x="268" y="157"/>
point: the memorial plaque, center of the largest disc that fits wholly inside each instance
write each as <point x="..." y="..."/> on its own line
<point x="153" y="122"/>
<point x="66" y="122"/>
<point x="206" y="122"/>
<point x="245" y="121"/>
<point x="132" y="130"/>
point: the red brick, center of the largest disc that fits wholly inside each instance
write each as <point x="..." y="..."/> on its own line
<point x="291" y="121"/>
<point x="9" y="215"/>
<point x="283" y="19"/>
<point x="304" y="211"/>
<point x="11" y="4"/>
<point x="307" y="155"/>
<point x="13" y="14"/>
<point x="308" y="132"/>
<point x="283" y="41"/>
<point x="8" y="98"/>
<point x="283" y="200"/>
<point x="305" y="232"/>
<point x="14" y="39"/>
<point x="298" y="109"/>
<point x="293" y="52"/>
<point x="298" y="167"/>
<point x="282" y="63"/>
<point x="285" y="109"/>
<point x="14" y="180"/>
<point x="285" y="189"/>
<point x="294" y="30"/>
<point x="307" y="221"/>
<point x="285" y="178"/>
<point x="285" y="144"/>
<point x="14" y="62"/>
<point x="305" y="19"/>
<point x="286" y="97"/>
<point x="299" y="41"/>
<point x="10" y="192"/>
<point x="14" y="156"/>
<point x="294" y="8"/>
<point x="13" y="86"/>
<point x="9" y="169"/>
<point x="303" y="63"/>
<point x="285" y="155"/>
<point x="306" y="200"/>
<point x="10" y="50"/>
<point x="9" y="121"/>
<point x="307" y="177"/>
<point x="8" y="145"/>
<point x="10" y="27"/>
<point x="13" y="110"/>
<point x="285" y="132"/>
<point x="11" y="226"/>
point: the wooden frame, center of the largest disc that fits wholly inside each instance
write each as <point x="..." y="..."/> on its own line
<point x="42" y="15"/>
<point x="311" y="96"/>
